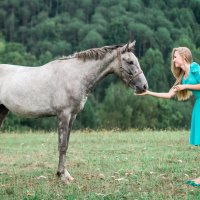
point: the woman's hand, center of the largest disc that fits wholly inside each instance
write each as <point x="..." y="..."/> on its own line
<point x="179" y="87"/>
<point x="165" y="95"/>
<point x="142" y="94"/>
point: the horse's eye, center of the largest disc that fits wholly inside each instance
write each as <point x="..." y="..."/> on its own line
<point x="130" y="62"/>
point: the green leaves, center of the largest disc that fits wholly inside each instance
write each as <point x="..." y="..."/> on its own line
<point x="35" y="32"/>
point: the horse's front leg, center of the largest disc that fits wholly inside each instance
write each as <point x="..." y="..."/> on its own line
<point x="63" y="139"/>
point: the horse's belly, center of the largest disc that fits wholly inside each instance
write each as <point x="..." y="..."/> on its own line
<point x="26" y="99"/>
<point x="30" y="111"/>
<point x="30" y="106"/>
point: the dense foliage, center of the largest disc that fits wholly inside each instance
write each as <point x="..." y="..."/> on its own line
<point x="35" y="32"/>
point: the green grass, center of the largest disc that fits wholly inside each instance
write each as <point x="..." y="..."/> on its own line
<point x="106" y="165"/>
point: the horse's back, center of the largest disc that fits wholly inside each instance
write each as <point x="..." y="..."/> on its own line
<point x="12" y="70"/>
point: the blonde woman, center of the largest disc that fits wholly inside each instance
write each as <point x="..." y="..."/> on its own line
<point x="187" y="74"/>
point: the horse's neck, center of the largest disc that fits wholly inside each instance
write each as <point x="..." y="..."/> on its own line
<point x="97" y="71"/>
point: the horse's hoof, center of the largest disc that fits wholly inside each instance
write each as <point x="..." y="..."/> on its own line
<point x="65" y="177"/>
<point x="70" y="178"/>
<point x="67" y="180"/>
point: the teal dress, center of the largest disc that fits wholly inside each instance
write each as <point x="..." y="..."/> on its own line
<point x="194" y="78"/>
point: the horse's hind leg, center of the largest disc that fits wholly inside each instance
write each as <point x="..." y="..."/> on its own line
<point x="3" y="113"/>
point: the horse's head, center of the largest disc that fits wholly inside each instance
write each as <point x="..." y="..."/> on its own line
<point x="129" y="68"/>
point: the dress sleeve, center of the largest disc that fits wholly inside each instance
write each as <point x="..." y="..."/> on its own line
<point x="195" y="69"/>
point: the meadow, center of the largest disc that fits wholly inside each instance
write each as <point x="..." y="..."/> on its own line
<point x="105" y="164"/>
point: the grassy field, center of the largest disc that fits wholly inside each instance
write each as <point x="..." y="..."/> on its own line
<point x="106" y="165"/>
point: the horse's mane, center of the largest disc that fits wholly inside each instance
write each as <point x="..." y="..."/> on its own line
<point x="94" y="53"/>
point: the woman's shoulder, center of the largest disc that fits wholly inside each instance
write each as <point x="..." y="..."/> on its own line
<point x="194" y="67"/>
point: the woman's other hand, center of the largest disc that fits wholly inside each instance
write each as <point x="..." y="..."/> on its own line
<point x="179" y="87"/>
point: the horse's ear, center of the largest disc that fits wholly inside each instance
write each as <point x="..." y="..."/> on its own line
<point x="125" y="48"/>
<point x="131" y="45"/>
<point x="128" y="47"/>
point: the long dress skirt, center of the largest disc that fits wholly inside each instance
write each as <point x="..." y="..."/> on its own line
<point x="195" y="124"/>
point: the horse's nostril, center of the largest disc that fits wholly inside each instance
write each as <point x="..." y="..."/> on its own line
<point x="145" y="87"/>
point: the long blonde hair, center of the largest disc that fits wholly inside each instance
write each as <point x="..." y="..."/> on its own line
<point x="178" y="73"/>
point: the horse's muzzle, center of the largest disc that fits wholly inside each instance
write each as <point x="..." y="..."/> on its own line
<point x="142" y="89"/>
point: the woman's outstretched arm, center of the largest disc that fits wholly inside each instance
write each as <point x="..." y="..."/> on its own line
<point x="165" y="95"/>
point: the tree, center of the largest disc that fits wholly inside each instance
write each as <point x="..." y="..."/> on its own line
<point x="115" y="111"/>
<point x="2" y="46"/>
<point x="61" y="48"/>
<point x="99" y="23"/>
<point x="171" y="114"/>
<point x="143" y="34"/>
<point x="45" y="57"/>
<point x="118" y="32"/>
<point x="163" y="37"/>
<point x="134" y="6"/>
<point x="92" y="39"/>
<point x="87" y="7"/>
<point x="25" y="15"/>
<point x="2" y="18"/>
<point x="16" y="53"/>
<point x="10" y="27"/>
<point x="72" y="32"/>
<point x="87" y="118"/>
<point x="153" y="64"/>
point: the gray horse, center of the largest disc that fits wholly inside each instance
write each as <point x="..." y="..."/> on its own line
<point x="60" y="88"/>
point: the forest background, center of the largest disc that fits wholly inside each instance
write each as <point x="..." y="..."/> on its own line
<point x="35" y="32"/>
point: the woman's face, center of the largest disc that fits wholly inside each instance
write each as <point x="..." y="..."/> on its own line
<point x="177" y="59"/>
